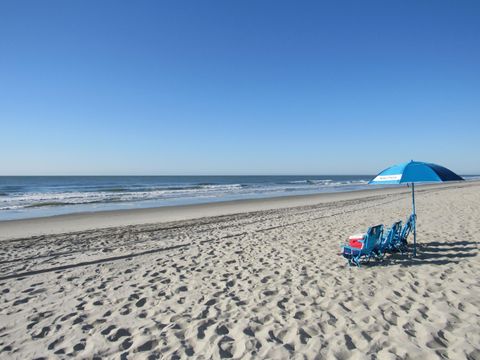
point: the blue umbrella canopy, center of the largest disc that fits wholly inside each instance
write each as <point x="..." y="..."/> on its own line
<point x="414" y="172"/>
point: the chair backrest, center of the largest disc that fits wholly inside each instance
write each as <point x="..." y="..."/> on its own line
<point x="392" y="233"/>
<point x="407" y="227"/>
<point x="397" y="227"/>
<point x="374" y="236"/>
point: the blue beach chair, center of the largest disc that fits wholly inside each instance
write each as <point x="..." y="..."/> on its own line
<point x="370" y="243"/>
<point x="400" y="243"/>
<point x="389" y="240"/>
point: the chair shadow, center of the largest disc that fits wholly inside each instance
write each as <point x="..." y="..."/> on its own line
<point x="434" y="253"/>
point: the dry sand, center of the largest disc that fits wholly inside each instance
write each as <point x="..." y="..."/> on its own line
<point x="263" y="284"/>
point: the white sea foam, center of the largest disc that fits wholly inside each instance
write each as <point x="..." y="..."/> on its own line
<point x="73" y="198"/>
<point x="101" y="195"/>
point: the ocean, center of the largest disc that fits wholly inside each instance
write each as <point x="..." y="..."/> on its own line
<point x="36" y="196"/>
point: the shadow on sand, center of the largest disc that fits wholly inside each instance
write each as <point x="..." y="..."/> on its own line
<point x="434" y="253"/>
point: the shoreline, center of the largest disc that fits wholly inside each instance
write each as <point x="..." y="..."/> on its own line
<point x="75" y="222"/>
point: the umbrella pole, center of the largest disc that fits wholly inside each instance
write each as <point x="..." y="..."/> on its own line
<point x="414" y="222"/>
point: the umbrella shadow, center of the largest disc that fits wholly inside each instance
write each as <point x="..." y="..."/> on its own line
<point x="434" y="253"/>
<point x="441" y="253"/>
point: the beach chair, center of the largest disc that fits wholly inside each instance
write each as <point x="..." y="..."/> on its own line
<point x="399" y="243"/>
<point x="370" y="242"/>
<point x="389" y="240"/>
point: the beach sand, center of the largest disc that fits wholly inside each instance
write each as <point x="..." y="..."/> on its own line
<point x="250" y="279"/>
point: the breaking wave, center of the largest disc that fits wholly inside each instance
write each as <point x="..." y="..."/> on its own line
<point x="73" y="194"/>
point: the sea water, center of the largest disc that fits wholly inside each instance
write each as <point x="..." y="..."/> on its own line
<point x="35" y="196"/>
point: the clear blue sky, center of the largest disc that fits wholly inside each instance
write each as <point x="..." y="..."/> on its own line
<point x="238" y="87"/>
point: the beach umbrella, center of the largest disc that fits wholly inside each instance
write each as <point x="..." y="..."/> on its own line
<point x="414" y="172"/>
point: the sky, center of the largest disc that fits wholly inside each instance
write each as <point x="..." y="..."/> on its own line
<point x="237" y="87"/>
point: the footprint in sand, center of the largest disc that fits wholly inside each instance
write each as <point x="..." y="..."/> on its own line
<point x="203" y="327"/>
<point x="21" y="301"/>
<point x="269" y="292"/>
<point x="59" y="352"/>
<point x="304" y="336"/>
<point x="87" y="327"/>
<point x="126" y="344"/>
<point x="54" y="343"/>
<point x="189" y="351"/>
<point x="79" y="319"/>
<point x="147" y="346"/>
<point x="141" y="302"/>
<point x="222" y="330"/>
<point x="80" y="346"/>
<point x="349" y="342"/>
<point x="225" y="347"/>
<point x="210" y="302"/>
<point x="125" y="310"/>
<point x="120" y="333"/>
<point x="133" y="296"/>
<point x="281" y="302"/>
<point x="273" y="338"/>
<point x="81" y="306"/>
<point x="108" y="330"/>
<point x="182" y="289"/>
<point x="68" y="316"/>
<point x="249" y="332"/>
<point x="299" y="315"/>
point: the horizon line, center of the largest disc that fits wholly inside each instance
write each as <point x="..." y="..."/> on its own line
<point x="191" y="175"/>
<point x="36" y="175"/>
